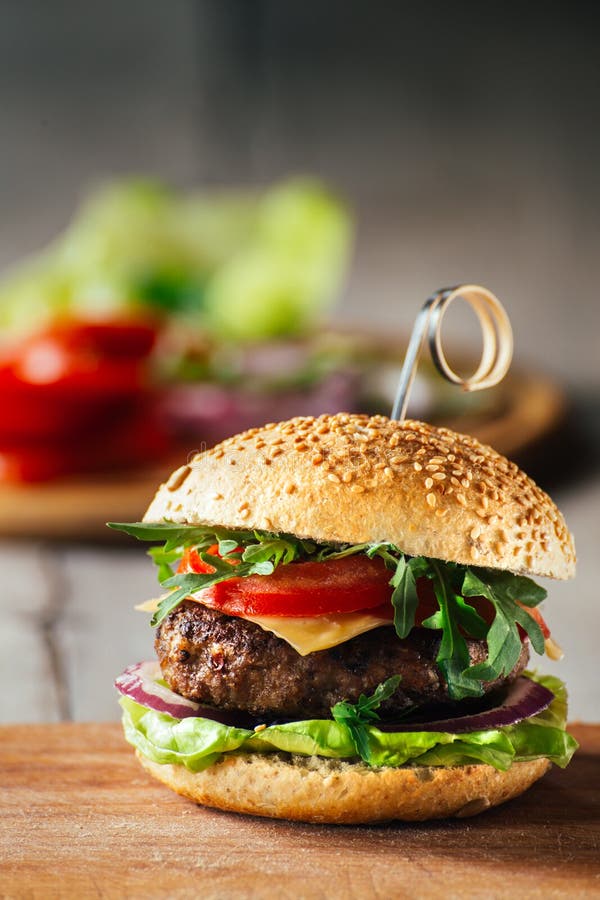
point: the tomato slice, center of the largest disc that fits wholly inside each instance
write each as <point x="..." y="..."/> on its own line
<point x="300" y="589"/>
<point x="350" y="584"/>
<point x="191" y="562"/>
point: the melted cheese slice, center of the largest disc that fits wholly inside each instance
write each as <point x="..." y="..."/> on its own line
<point x="307" y="634"/>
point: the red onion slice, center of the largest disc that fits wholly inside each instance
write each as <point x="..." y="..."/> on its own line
<point x="140" y="683"/>
<point x="524" y="698"/>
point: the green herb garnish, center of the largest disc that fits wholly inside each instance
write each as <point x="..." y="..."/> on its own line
<point x="356" y="716"/>
<point x="259" y="553"/>
<point x="241" y="553"/>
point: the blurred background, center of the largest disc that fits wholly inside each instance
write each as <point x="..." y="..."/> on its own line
<point x="269" y="191"/>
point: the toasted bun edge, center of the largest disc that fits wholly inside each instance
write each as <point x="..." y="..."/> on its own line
<point x="317" y="790"/>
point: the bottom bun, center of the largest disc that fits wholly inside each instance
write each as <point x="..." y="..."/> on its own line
<point x="314" y="789"/>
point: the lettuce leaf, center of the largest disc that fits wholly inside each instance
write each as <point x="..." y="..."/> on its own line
<point x="197" y="743"/>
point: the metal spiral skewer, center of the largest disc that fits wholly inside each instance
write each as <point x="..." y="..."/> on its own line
<point x="497" y="348"/>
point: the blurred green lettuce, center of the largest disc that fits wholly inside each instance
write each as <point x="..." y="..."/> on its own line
<point x="240" y="265"/>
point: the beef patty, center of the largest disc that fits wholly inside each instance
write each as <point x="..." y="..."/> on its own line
<point x="231" y="663"/>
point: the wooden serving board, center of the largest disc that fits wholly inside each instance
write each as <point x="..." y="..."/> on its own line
<point x="79" y="818"/>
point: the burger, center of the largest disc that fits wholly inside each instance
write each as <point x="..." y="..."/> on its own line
<point x="345" y="625"/>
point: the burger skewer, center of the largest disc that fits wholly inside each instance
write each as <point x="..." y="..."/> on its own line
<point x="497" y="349"/>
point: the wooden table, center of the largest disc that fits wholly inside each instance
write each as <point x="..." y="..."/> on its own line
<point x="79" y="818"/>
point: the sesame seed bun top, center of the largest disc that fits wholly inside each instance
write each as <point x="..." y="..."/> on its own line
<point x="354" y="479"/>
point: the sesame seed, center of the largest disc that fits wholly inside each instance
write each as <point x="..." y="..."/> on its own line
<point x="432" y="467"/>
<point x="474" y="553"/>
<point x="333" y="477"/>
<point x="178" y="477"/>
<point x="347" y="477"/>
<point x="431" y="499"/>
<point x="317" y="460"/>
<point x="417" y="466"/>
<point x="461" y="499"/>
<point x="357" y="488"/>
<point x="428" y="483"/>
<point x="244" y="514"/>
<point x="475" y="532"/>
<point x="439" y="476"/>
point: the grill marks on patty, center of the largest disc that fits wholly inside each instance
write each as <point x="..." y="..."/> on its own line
<point x="231" y="663"/>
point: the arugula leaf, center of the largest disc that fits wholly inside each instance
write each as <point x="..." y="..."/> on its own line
<point x="469" y="618"/>
<point x="330" y="551"/>
<point x="356" y="716"/>
<point x="404" y="598"/>
<point x="492" y="583"/>
<point x="276" y="550"/>
<point x="168" y="604"/>
<point x="453" y="654"/>
<point x="164" y="559"/>
<point x="174" y="533"/>
<point x="503" y="638"/>
<point x="227" y="546"/>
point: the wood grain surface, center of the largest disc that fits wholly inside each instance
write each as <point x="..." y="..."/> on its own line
<point x="78" y="818"/>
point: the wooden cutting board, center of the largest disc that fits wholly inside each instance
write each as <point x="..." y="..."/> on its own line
<point x="79" y="818"/>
